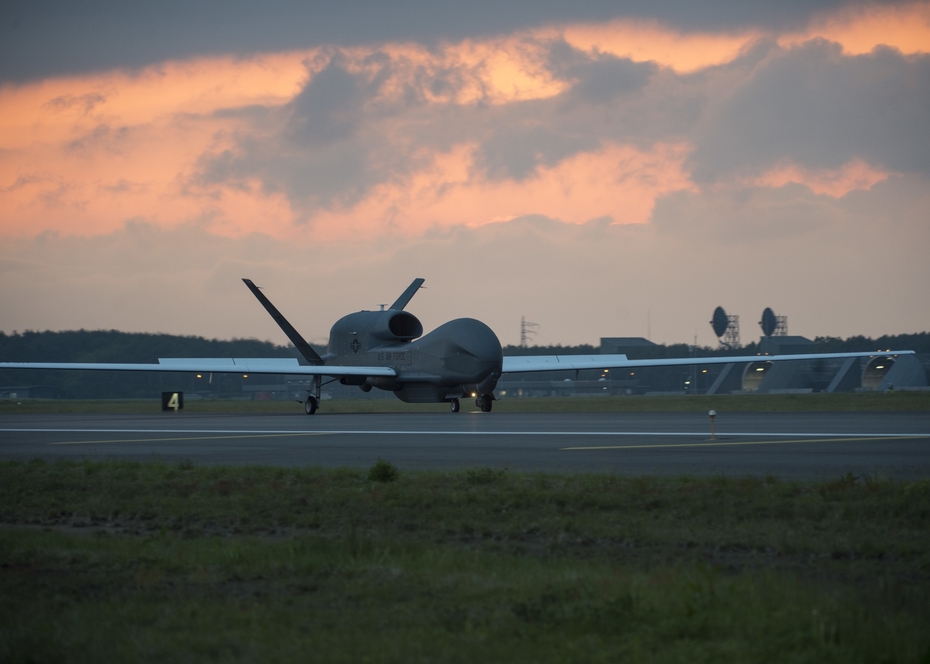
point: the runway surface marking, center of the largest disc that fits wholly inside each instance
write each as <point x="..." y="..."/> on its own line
<point x="821" y="439"/>
<point x="396" y="432"/>
<point x="169" y="440"/>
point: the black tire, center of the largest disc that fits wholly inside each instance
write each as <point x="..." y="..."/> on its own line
<point x="485" y="403"/>
<point x="310" y="406"/>
<point x="454" y="405"/>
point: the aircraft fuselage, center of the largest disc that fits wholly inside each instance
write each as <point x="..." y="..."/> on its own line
<point x="460" y="358"/>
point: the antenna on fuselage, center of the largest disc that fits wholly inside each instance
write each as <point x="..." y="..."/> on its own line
<point x="407" y="295"/>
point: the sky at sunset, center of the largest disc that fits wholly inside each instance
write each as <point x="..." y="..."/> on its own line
<point x="603" y="169"/>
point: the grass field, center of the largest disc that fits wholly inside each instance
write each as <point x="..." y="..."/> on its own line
<point x="142" y="562"/>
<point x="847" y="401"/>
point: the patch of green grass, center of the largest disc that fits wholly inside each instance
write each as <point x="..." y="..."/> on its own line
<point x="846" y="401"/>
<point x="854" y="518"/>
<point x="168" y="598"/>
<point x="153" y="561"/>
<point x="382" y="471"/>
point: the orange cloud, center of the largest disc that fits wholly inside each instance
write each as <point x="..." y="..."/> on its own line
<point x="618" y="181"/>
<point x="63" y="109"/>
<point x="93" y="185"/>
<point x="649" y="41"/>
<point x="853" y="175"/>
<point x="495" y="71"/>
<point x="861" y="29"/>
<point x="82" y="155"/>
<point x="858" y="29"/>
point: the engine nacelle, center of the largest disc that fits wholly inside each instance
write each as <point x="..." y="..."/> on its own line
<point x="364" y="330"/>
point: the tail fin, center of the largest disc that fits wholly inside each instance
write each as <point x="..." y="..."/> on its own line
<point x="302" y="346"/>
<point x="408" y="294"/>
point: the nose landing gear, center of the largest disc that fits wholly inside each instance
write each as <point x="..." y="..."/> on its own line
<point x="310" y="405"/>
<point x="454" y="405"/>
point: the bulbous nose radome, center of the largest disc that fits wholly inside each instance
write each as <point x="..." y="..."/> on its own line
<point x="479" y="340"/>
<point x="468" y="348"/>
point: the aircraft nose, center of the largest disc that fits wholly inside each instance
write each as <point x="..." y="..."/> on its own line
<point x="484" y="345"/>
<point x="469" y="348"/>
<point x="480" y="341"/>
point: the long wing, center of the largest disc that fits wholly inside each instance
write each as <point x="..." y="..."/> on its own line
<point x="302" y="346"/>
<point x="530" y="363"/>
<point x="254" y="365"/>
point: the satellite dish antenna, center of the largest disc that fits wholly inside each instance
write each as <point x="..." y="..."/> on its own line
<point x="769" y="322"/>
<point x="720" y="322"/>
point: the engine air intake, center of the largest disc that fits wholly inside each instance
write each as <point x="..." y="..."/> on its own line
<point x="405" y="326"/>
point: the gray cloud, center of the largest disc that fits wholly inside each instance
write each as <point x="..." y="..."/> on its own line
<point x="810" y="105"/>
<point x="816" y="107"/>
<point x="112" y="139"/>
<point x="322" y="148"/>
<point x="523" y="136"/>
<point x="123" y="185"/>
<point x="42" y="38"/>
<point x="337" y="138"/>
<point x="747" y="216"/>
<point x="599" y="78"/>
<point x="825" y="270"/>
<point x="330" y="106"/>
<point x="85" y="102"/>
<point x="517" y="151"/>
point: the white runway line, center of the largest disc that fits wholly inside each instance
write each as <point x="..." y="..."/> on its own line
<point x="395" y="432"/>
<point x="739" y="443"/>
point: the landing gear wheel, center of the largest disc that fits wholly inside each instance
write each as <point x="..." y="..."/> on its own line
<point x="454" y="405"/>
<point x="310" y="405"/>
<point x="484" y="403"/>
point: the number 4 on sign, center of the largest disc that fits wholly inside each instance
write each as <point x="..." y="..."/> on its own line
<point x="172" y="401"/>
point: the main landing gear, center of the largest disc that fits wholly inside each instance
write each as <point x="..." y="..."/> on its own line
<point x="310" y="405"/>
<point x="483" y="402"/>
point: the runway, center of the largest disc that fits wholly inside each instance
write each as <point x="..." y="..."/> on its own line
<point x="787" y="445"/>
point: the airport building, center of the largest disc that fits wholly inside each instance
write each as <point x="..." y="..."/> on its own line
<point x="880" y="373"/>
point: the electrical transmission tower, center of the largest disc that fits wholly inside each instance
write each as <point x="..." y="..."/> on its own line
<point x="526" y="329"/>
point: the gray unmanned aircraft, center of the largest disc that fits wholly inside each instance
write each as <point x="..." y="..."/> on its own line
<point x="387" y="350"/>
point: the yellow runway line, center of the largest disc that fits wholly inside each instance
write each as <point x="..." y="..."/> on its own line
<point x="739" y="443"/>
<point x="166" y="440"/>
